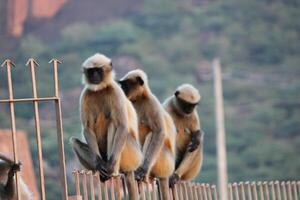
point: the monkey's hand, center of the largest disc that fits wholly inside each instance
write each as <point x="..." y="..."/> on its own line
<point x="105" y="169"/>
<point x="196" y="140"/>
<point x="174" y="178"/>
<point x="140" y="173"/>
<point x="14" y="168"/>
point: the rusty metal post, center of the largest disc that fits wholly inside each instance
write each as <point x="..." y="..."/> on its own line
<point x="98" y="186"/>
<point x="214" y="189"/>
<point x="84" y="185"/>
<point x="266" y="189"/>
<point x="32" y="64"/>
<point x="9" y="64"/>
<point x="77" y="183"/>
<point x="60" y="133"/>
<point x="295" y="189"/>
<point x="106" y="190"/>
<point x="249" y="190"/>
<point x="92" y="189"/>
<point x="154" y="189"/>
<point x="278" y="190"/>
<point x="283" y="190"/>
<point x="241" y="184"/>
<point x="253" y="184"/>
<point x="272" y="190"/>
<point x="289" y="190"/>
<point x="221" y="138"/>
<point x="236" y="192"/>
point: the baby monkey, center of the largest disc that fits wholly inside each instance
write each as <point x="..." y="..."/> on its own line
<point x="189" y="140"/>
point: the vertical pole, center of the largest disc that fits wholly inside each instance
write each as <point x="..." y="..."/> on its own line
<point x="32" y="63"/>
<point x="221" y="142"/>
<point x="8" y="63"/>
<point x="60" y="133"/>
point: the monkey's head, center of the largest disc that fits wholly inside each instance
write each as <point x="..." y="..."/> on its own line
<point x="186" y="98"/>
<point x="97" y="72"/>
<point x="134" y="84"/>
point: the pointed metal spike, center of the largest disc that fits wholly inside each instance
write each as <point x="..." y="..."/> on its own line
<point x="31" y="60"/>
<point x="7" y="62"/>
<point x="55" y="60"/>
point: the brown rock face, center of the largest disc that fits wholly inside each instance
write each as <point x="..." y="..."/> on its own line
<point x="46" y="8"/>
<point x="17" y="11"/>
<point x="16" y="15"/>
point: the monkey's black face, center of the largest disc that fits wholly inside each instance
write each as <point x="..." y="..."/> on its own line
<point x="186" y="106"/>
<point x="93" y="75"/>
<point x="127" y="85"/>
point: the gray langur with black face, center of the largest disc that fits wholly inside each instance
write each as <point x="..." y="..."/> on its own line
<point x="8" y="169"/>
<point x="109" y="125"/>
<point x="156" y="129"/>
<point x="189" y="139"/>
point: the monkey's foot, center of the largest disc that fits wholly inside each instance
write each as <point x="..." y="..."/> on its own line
<point x="140" y="174"/>
<point x="173" y="180"/>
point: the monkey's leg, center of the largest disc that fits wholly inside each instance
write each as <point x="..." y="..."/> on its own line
<point x="84" y="153"/>
<point x="190" y="165"/>
<point x="164" y="188"/>
<point x="131" y="186"/>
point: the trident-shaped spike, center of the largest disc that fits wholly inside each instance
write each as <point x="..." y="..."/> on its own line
<point x="55" y="63"/>
<point x="32" y="62"/>
<point x="7" y="63"/>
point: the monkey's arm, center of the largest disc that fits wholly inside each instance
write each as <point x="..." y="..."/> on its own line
<point x="196" y="140"/>
<point x="152" y="147"/>
<point x="91" y="140"/>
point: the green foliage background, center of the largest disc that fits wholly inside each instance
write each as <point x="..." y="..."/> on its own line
<point x="257" y="42"/>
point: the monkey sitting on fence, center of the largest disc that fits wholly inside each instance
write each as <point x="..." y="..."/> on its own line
<point x="156" y="129"/>
<point x="109" y="124"/>
<point x="8" y="169"/>
<point x="189" y="140"/>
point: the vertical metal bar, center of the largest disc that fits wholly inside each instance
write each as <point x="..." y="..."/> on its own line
<point x="185" y="190"/>
<point x="77" y="184"/>
<point x="266" y="189"/>
<point x="278" y="190"/>
<point x="283" y="190"/>
<point x="98" y="186"/>
<point x="221" y="138"/>
<point x="84" y="185"/>
<point x="32" y="64"/>
<point x="148" y="190"/>
<point x="273" y="190"/>
<point x="112" y="188"/>
<point x="200" y="191"/>
<point x="236" y="192"/>
<point x="190" y="188"/>
<point x="241" y="184"/>
<point x="214" y="189"/>
<point x="298" y="184"/>
<point x="174" y="190"/>
<point x="204" y="191"/>
<point x="195" y="191"/>
<point x="60" y="133"/>
<point x="254" y="190"/>
<point x="230" y="191"/>
<point x="249" y="190"/>
<point x="180" y="191"/>
<point x="209" y="191"/>
<point x="118" y="180"/>
<point x="295" y="189"/>
<point x="92" y="189"/>
<point x="142" y="190"/>
<point x="9" y="64"/>
<point x="261" y="192"/>
<point x="106" y="191"/>
<point x="170" y="194"/>
<point x="154" y="189"/>
<point x="289" y="190"/>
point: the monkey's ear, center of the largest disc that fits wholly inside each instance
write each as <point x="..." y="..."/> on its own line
<point x="176" y="93"/>
<point x="140" y="80"/>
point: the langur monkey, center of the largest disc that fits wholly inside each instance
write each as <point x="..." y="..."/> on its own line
<point x="189" y="140"/>
<point x="8" y="169"/>
<point x="156" y="129"/>
<point x="109" y="125"/>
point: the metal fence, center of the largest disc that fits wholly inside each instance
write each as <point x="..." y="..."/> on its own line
<point x="11" y="101"/>
<point x="89" y="187"/>
<point x="88" y="184"/>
